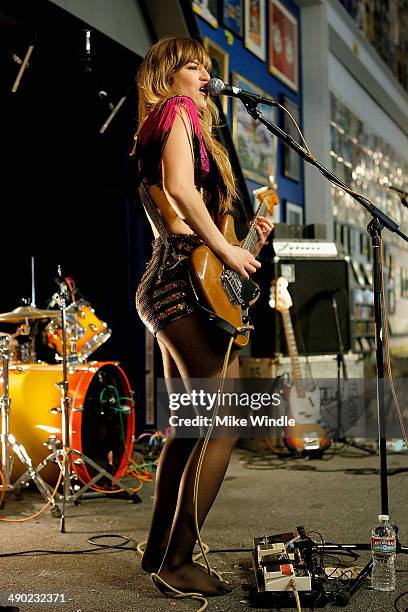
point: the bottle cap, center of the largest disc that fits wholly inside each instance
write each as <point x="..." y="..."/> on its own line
<point x="383" y="517"/>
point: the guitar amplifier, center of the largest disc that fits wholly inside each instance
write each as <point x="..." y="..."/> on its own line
<point x="319" y="287"/>
<point x="322" y="366"/>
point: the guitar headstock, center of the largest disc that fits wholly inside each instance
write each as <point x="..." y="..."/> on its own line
<point x="269" y="198"/>
<point x="279" y="296"/>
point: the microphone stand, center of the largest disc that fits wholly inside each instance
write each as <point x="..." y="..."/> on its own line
<point x="404" y="200"/>
<point x="341" y="366"/>
<point x="379" y="221"/>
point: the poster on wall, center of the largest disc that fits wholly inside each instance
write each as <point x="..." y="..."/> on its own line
<point x="208" y="10"/>
<point x="255" y="27"/>
<point x="219" y="66"/>
<point x="283" y="44"/>
<point x="233" y="16"/>
<point x="256" y="147"/>
<point x="291" y="161"/>
<point x="294" y="213"/>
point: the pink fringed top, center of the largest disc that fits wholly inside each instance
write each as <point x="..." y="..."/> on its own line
<point x="153" y="136"/>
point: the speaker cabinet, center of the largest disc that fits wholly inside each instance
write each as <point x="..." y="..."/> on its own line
<point x="319" y="287"/>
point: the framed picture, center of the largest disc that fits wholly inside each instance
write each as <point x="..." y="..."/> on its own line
<point x="256" y="147"/>
<point x="233" y="16"/>
<point x="391" y="302"/>
<point x="404" y="282"/>
<point x="283" y="45"/>
<point x="364" y="244"/>
<point x="357" y="274"/>
<point x="294" y="213"/>
<point x="208" y="10"/>
<point x="254" y="38"/>
<point x="220" y="66"/>
<point x="291" y="161"/>
<point x="351" y="233"/>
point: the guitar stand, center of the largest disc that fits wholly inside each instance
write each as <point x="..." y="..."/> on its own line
<point x="374" y="229"/>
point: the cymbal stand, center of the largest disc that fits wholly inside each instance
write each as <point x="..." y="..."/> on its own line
<point x="64" y="454"/>
<point x="8" y="443"/>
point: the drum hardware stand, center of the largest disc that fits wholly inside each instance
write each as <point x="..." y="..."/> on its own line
<point x="378" y="222"/>
<point x="65" y="452"/>
<point x="9" y="443"/>
<point x="33" y="282"/>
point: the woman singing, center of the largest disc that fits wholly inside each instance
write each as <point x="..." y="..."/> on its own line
<point x="186" y="173"/>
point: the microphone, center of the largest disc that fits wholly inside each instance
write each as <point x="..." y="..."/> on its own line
<point x="403" y="195"/>
<point x="114" y="109"/>
<point x="216" y="87"/>
<point x="396" y="189"/>
<point x="24" y="65"/>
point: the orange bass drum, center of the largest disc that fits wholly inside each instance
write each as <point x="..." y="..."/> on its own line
<point x="101" y="416"/>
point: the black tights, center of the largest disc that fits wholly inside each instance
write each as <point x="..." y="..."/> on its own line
<point x="191" y="348"/>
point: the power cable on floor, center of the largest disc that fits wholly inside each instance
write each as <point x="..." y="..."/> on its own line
<point x="396" y="607"/>
<point x="269" y="461"/>
<point x="120" y="547"/>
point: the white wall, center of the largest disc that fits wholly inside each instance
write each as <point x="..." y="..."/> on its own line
<point x="344" y="85"/>
<point x="352" y="48"/>
<point x="316" y="111"/>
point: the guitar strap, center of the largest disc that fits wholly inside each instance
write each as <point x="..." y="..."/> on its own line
<point x="151" y="209"/>
<point x="170" y="257"/>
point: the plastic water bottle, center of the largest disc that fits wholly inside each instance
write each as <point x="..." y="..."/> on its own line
<point x="383" y="549"/>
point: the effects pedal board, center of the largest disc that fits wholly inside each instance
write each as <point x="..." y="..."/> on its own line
<point x="279" y="568"/>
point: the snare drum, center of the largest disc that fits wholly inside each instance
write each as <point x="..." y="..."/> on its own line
<point x="101" y="415"/>
<point x="85" y="332"/>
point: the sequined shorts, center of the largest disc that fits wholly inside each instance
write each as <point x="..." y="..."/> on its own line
<point x="165" y="295"/>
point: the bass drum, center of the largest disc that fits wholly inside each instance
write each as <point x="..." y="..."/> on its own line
<point x="101" y="416"/>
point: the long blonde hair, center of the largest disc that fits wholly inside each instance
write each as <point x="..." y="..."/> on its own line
<point x="154" y="81"/>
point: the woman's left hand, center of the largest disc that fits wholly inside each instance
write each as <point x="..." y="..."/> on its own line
<point x="263" y="228"/>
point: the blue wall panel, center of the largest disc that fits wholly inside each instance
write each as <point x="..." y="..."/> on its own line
<point x="255" y="70"/>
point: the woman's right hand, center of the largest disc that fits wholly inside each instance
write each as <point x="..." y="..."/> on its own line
<point x="240" y="260"/>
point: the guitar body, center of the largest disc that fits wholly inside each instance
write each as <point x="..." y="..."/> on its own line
<point x="303" y="401"/>
<point x="307" y="434"/>
<point x="223" y="291"/>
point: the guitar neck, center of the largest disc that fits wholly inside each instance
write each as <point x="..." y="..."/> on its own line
<point x="251" y="238"/>
<point x="293" y="353"/>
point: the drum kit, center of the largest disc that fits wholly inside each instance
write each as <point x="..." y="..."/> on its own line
<point x="73" y="419"/>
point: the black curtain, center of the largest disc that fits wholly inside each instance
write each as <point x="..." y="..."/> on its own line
<point x="66" y="194"/>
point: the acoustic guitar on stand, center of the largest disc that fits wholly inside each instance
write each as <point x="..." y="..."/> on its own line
<point x="303" y="400"/>
<point x="223" y="293"/>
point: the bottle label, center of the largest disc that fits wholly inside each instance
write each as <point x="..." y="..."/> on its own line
<point x="383" y="545"/>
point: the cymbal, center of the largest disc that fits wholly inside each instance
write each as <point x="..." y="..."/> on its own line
<point x="28" y="312"/>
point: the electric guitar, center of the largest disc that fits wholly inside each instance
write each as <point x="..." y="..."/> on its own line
<point x="303" y="401"/>
<point x="223" y="293"/>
